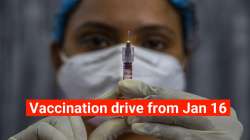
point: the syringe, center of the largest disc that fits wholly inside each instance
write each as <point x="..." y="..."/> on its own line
<point x="127" y="59"/>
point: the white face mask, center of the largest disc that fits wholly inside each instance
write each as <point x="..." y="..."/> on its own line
<point x="91" y="74"/>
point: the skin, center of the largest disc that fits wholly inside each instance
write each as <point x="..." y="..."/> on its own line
<point x="99" y="24"/>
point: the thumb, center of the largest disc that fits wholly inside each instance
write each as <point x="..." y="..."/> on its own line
<point x="139" y="89"/>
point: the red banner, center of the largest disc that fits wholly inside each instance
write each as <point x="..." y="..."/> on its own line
<point x="127" y="107"/>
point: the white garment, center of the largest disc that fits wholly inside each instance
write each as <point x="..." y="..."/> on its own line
<point x="91" y="74"/>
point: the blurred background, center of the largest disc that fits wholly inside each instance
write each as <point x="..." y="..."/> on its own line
<point x="218" y="69"/>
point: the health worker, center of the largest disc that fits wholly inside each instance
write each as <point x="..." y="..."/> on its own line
<point x="86" y="53"/>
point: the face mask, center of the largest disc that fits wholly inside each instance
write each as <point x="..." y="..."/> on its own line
<point x="91" y="74"/>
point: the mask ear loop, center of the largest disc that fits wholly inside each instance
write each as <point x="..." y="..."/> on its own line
<point x="63" y="57"/>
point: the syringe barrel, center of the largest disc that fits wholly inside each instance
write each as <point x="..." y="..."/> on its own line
<point x="127" y="54"/>
<point x="127" y="59"/>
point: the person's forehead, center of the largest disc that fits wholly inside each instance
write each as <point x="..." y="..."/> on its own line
<point x="126" y="13"/>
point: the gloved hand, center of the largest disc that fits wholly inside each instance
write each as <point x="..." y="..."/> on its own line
<point x="178" y="128"/>
<point x="59" y="128"/>
<point x="54" y="128"/>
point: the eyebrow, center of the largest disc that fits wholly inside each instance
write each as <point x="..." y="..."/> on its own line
<point x="97" y="25"/>
<point x="156" y="28"/>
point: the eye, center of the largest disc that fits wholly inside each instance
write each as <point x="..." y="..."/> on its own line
<point x="155" y="44"/>
<point x="95" y="41"/>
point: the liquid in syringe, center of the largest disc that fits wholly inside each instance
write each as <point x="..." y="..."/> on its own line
<point x="127" y="59"/>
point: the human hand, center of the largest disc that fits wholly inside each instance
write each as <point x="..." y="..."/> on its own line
<point x="178" y="128"/>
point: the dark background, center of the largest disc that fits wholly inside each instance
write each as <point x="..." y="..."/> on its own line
<point x="218" y="69"/>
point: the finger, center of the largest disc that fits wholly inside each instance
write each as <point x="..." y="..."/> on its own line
<point x="27" y="133"/>
<point x="78" y="127"/>
<point x="48" y="132"/>
<point x="109" y="130"/>
<point x="39" y="131"/>
<point x="112" y="94"/>
<point x="72" y="127"/>
<point x="138" y="89"/>
<point x="161" y="131"/>
<point x="194" y="122"/>
<point x="178" y="133"/>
